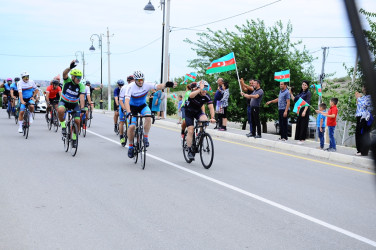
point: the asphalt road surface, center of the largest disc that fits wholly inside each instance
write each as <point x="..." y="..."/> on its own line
<point x="251" y="198"/>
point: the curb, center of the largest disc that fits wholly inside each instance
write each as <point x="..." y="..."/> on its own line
<point x="317" y="153"/>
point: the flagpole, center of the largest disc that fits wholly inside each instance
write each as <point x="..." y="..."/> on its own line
<point x="237" y="73"/>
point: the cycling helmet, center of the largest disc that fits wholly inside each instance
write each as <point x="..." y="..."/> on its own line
<point x="83" y="81"/>
<point x="55" y="82"/>
<point x="9" y="79"/>
<point x="138" y="75"/>
<point x="76" y="72"/>
<point x="130" y="78"/>
<point x="38" y="85"/>
<point x="57" y="78"/>
<point x="88" y="82"/>
<point x="17" y="79"/>
<point x="193" y="85"/>
<point x="120" y="82"/>
<point x="206" y="85"/>
<point x="23" y="74"/>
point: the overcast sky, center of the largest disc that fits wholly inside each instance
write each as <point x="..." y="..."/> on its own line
<point x="42" y="36"/>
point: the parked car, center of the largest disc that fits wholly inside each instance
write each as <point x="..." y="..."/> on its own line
<point x="41" y="105"/>
<point x="311" y="126"/>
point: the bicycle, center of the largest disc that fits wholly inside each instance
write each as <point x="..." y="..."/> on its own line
<point x="53" y="120"/>
<point x="26" y="122"/>
<point x="17" y="111"/>
<point x="201" y="143"/>
<point x="125" y="130"/>
<point x="9" y="106"/>
<point x="70" y="127"/>
<point x="83" y="124"/>
<point x="139" y="147"/>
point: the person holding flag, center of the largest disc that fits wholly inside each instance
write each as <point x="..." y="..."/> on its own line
<point x="303" y="113"/>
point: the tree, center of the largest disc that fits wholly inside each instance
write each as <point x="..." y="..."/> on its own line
<point x="260" y="51"/>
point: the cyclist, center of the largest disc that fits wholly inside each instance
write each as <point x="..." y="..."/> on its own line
<point x="186" y="96"/>
<point x="53" y="93"/>
<point x="14" y="94"/>
<point x="195" y="109"/>
<point x="91" y="92"/>
<point x="72" y="97"/>
<point x="87" y="100"/>
<point x="6" y="94"/>
<point x="27" y="90"/>
<point x="120" y="84"/>
<point x="135" y="102"/>
<point x="122" y="109"/>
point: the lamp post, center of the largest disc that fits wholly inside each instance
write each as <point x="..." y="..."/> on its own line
<point x="149" y="8"/>
<point x="92" y="48"/>
<point x="83" y="61"/>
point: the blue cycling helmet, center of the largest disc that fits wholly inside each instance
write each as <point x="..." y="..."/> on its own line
<point x="120" y="82"/>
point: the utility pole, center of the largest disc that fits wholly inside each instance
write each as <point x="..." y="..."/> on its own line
<point x="166" y="54"/>
<point x="109" y="74"/>
<point x="322" y="76"/>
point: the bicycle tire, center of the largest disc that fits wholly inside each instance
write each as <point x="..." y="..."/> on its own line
<point x="84" y="128"/>
<point x="206" y="149"/>
<point x="8" y="111"/>
<point x="33" y="114"/>
<point x="73" y="150"/>
<point x="25" y="124"/>
<point x="50" y="121"/>
<point x="125" y="131"/>
<point x="66" y="138"/>
<point x="16" y="118"/>
<point x="185" y="148"/>
<point x="135" y="146"/>
<point x="142" y="148"/>
<point x="55" y="120"/>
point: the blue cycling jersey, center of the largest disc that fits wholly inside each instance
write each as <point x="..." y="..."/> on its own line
<point x="136" y="94"/>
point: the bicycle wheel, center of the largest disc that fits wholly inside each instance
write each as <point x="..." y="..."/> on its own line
<point x="206" y="150"/>
<point x="67" y="137"/>
<point x="135" y="146"/>
<point x="8" y="111"/>
<point x="90" y="117"/>
<point x="55" y="120"/>
<point x="185" y="148"/>
<point x="74" y="129"/>
<point x="142" y="151"/>
<point x="84" y="123"/>
<point x="50" y="121"/>
<point x="25" y="124"/>
<point x="125" y="131"/>
<point x="16" y="118"/>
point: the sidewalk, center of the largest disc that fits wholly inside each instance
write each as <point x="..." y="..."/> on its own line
<point x="344" y="154"/>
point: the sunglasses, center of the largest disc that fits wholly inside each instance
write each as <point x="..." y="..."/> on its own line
<point x="78" y="77"/>
<point x="139" y="80"/>
<point x="25" y="77"/>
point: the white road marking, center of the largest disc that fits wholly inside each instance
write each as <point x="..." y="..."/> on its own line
<point x="259" y="198"/>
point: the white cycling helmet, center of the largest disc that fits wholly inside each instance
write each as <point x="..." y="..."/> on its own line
<point x="138" y="75"/>
<point x="83" y="81"/>
<point x="23" y="74"/>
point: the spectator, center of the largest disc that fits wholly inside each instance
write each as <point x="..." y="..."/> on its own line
<point x="156" y="103"/>
<point x="283" y="109"/>
<point x="224" y="104"/>
<point x="256" y="98"/>
<point x="180" y="101"/>
<point x="303" y="116"/>
<point x="321" y="119"/>
<point x="332" y="117"/>
<point x="217" y="97"/>
<point x="364" y="121"/>
<point x="248" y="89"/>
<point x="151" y="95"/>
<point x="162" y="106"/>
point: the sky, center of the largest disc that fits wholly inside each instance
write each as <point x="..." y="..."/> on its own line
<point x="42" y="37"/>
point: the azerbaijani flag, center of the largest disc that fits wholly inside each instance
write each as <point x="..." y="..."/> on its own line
<point x="222" y="64"/>
<point x="174" y="96"/>
<point x="191" y="76"/>
<point x="318" y="88"/>
<point x="282" y="76"/>
<point x="299" y="104"/>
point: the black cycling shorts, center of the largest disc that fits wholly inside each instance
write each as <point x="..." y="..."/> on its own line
<point x="191" y="115"/>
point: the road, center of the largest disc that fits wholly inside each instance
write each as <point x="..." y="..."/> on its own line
<point x="251" y="198"/>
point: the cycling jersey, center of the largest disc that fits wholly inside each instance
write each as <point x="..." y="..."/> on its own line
<point x="123" y="90"/>
<point x="7" y="89"/>
<point x="71" y="91"/>
<point x="197" y="102"/>
<point x="87" y="91"/>
<point x="13" y="87"/>
<point x="136" y="94"/>
<point x="53" y="92"/>
<point x="116" y="92"/>
<point x="26" y="88"/>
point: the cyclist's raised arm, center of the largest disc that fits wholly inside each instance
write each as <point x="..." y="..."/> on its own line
<point x="166" y="85"/>
<point x="211" y="109"/>
<point x="66" y="71"/>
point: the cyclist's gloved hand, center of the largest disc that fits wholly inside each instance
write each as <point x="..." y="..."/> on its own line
<point x="169" y="84"/>
<point x="73" y="64"/>
<point x="83" y="111"/>
<point x="127" y="114"/>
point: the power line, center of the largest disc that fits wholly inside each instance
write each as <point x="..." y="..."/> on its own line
<point x="123" y="53"/>
<point x="326" y="37"/>
<point x="32" y="55"/>
<point x="223" y="19"/>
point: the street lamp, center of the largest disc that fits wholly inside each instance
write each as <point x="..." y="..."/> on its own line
<point x="83" y="61"/>
<point x="92" y="48"/>
<point x="149" y="8"/>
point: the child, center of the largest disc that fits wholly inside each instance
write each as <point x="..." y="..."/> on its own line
<point x="332" y="117"/>
<point x="179" y="108"/>
<point x="321" y="124"/>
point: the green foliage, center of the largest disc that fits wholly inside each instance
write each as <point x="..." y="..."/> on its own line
<point x="260" y="51"/>
<point x="171" y="107"/>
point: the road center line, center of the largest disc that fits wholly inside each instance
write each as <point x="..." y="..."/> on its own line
<point x="254" y="196"/>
